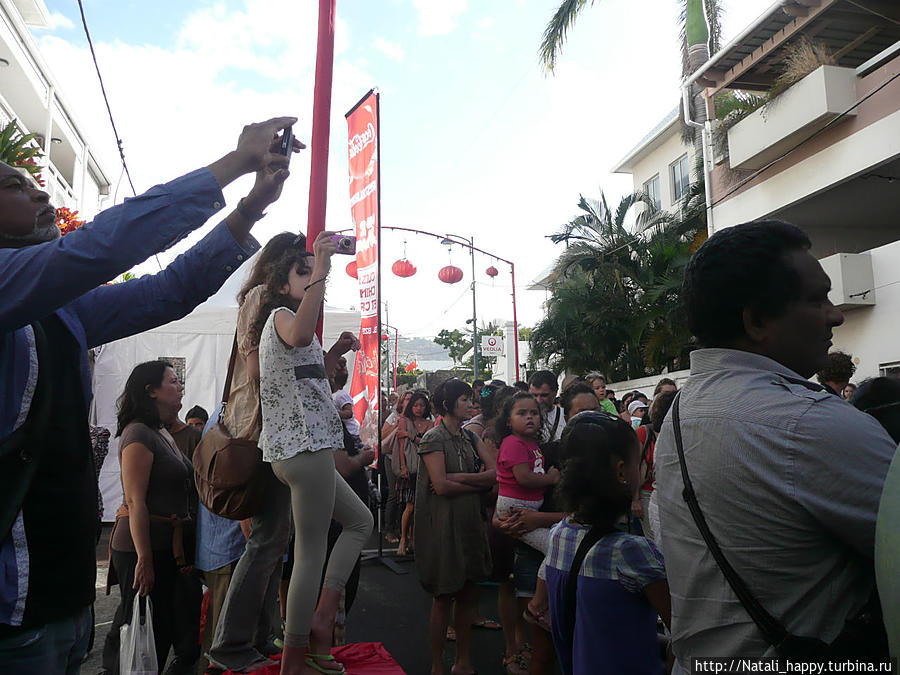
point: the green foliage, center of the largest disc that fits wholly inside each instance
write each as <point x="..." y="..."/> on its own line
<point x="615" y="303"/>
<point x="455" y="342"/>
<point x="15" y="151"/>
<point x="459" y="342"/>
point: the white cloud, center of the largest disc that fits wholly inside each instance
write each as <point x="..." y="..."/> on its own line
<point x="438" y="17"/>
<point x="55" y="21"/>
<point x="390" y="49"/>
<point x="486" y="23"/>
<point x="178" y="109"/>
<point x="60" y="20"/>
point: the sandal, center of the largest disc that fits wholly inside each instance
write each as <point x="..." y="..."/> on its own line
<point x="490" y="624"/>
<point x="515" y="664"/>
<point x="539" y="619"/>
<point x="312" y="660"/>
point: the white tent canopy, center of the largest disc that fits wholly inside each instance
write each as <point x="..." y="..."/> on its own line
<point x="203" y="340"/>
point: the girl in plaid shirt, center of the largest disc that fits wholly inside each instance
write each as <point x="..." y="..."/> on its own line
<point x="621" y="585"/>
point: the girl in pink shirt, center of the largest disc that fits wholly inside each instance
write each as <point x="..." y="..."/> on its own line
<point x="523" y="479"/>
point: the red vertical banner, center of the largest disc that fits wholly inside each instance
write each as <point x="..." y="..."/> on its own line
<point x="363" y="149"/>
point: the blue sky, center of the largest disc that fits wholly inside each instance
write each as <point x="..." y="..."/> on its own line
<point x="476" y="138"/>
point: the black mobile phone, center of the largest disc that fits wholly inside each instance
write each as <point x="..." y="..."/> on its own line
<point x="287" y="141"/>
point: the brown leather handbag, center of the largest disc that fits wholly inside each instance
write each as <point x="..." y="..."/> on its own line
<point x="229" y="472"/>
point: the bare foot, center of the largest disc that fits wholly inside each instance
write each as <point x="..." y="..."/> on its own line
<point x="461" y="670"/>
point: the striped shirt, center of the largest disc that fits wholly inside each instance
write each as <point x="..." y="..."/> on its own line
<point x="788" y="478"/>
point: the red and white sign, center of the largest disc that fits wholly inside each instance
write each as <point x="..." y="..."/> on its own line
<point x="362" y="148"/>
<point x="492" y="345"/>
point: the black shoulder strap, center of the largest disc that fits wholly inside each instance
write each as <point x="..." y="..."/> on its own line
<point x="555" y="422"/>
<point x="570" y="601"/>
<point x="774" y="633"/>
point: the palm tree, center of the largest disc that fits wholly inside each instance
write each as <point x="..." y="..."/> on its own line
<point x="615" y="294"/>
<point x="700" y="32"/>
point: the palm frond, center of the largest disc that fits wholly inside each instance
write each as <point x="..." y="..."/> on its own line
<point x="556" y="31"/>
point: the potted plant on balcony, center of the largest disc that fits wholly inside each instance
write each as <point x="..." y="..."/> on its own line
<point x="17" y="149"/>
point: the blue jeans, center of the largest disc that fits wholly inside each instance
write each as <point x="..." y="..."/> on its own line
<point x="56" y="648"/>
<point x="245" y="624"/>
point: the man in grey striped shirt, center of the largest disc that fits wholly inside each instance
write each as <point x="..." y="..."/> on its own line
<point x="787" y="476"/>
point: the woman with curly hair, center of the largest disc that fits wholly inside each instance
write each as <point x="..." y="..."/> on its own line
<point x="298" y="428"/>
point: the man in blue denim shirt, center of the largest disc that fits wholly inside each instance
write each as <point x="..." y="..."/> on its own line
<point x="53" y="308"/>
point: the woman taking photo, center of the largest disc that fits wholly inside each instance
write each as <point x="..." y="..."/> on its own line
<point x="156" y="481"/>
<point x="301" y="430"/>
<point x="451" y="539"/>
<point x="412" y="426"/>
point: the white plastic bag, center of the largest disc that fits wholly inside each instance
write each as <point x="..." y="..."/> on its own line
<point x="137" y="649"/>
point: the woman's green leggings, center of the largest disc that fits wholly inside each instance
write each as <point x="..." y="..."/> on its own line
<point x="318" y="494"/>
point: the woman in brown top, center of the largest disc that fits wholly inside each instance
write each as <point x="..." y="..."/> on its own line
<point x="156" y="480"/>
<point x="451" y="541"/>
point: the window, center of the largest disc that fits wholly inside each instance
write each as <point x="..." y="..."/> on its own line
<point x="651" y="189"/>
<point x="889" y="369"/>
<point x="681" y="179"/>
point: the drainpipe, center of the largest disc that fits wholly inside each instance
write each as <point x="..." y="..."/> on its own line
<point x="706" y="147"/>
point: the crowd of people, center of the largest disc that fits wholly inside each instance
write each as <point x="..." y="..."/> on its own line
<point x="737" y="515"/>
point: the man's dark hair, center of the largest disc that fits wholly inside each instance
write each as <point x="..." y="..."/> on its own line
<point x="575" y="389"/>
<point x="839" y="367"/>
<point x="197" y="412"/>
<point x="448" y="393"/>
<point x="135" y="404"/>
<point x="880" y="398"/>
<point x="665" y="382"/>
<point x="741" y="266"/>
<point x="541" y="377"/>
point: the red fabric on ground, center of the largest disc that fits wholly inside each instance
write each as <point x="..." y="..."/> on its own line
<point x="362" y="658"/>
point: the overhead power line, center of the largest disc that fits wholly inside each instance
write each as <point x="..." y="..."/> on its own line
<point x="87" y="34"/>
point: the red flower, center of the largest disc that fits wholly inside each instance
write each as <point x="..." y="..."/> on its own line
<point x="67" y="220"/>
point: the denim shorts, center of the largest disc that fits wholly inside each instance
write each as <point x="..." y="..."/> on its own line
<point x="526" y="563"/>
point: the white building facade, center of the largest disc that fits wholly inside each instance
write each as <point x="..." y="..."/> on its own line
<point x="825" y="155"/>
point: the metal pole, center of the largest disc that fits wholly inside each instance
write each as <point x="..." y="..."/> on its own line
<point x="318" y="178"/>
<point x="515" y="320"/>
<point x="396" y="356"/>
<point x="474" y="316"/>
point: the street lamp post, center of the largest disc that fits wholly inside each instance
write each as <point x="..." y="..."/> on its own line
<point x="471" y="243"/>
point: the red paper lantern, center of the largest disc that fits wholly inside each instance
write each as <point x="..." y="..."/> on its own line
<point x="491" y="271"/>
<point x="403" y="268"/>
<point x="351" y="269"/>
<point x="450" y="274"/>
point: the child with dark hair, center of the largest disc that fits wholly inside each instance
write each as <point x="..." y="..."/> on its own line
<point x="523" y="480"/>
<point x="603" y="619"/>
